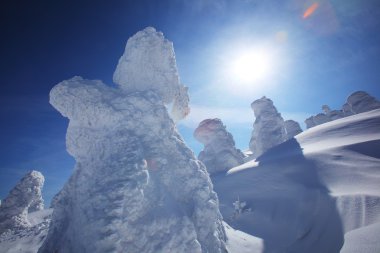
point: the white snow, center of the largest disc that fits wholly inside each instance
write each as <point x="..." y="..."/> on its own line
<point x="240" y="242"/>
<point x="148" y="63"/>
<point x="136" y="186"/>
<point x="363" y="240"/>
<point x="268" y="128"/>
<point x="357" y="102"/>
<point x="30" y="239"/>
<point x="24" y="198"/>
<point x="219" y="153"/>
<point x="314" y="193"/>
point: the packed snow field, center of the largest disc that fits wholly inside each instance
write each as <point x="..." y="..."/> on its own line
<point x="137" y="187"/>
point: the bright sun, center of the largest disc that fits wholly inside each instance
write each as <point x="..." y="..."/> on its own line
<point x="251" y="65"/>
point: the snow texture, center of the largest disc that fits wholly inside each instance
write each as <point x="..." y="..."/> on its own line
<point x="148" y="63"/>
<point x="317" y="192"/>
<point x="24" y="198"/>
<point x="268" y="128"/>
<point x="30" y="239"/>
<point x="357" y="102"/>
<point x="219" y="153"/>
<point x="136" y="186"/>
<point x="292" y="128"/>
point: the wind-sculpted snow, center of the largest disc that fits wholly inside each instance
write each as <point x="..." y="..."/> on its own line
<point x="24" y="198"/>
<point x="148" y="63"/>
<point x="292" y="128"/>
<point x="357" y="102"/>
<point x="219" y="153"/>
<point x="268" y="128"/>
<point x="136" y="186"/>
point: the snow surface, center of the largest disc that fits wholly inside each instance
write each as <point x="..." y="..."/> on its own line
<point x="30" y="239"/>
<point x="314" y="193"/>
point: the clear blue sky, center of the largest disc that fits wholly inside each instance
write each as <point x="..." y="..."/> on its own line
<point x="317" y="60"/>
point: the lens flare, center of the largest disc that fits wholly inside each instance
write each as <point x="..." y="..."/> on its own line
<point x="251" y="66"/>
<point x="309" y="11"/>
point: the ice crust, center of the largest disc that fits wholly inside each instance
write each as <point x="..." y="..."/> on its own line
<point x="136" y="186"/>
<point x="24" y="198"/>
<point x="219" y="153"/>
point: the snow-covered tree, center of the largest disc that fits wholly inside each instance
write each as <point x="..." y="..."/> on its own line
<point x="268" y="128"/>
<point x="24" y="198"/>
<point x="219" y="153"/>
<point x="136" y="186"/>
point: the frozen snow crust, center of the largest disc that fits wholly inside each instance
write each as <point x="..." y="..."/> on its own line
<point x="136" y="186"/>
<point x="24" y="198"/>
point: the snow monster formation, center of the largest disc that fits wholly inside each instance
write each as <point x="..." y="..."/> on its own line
<point x="24" y="198"/>
<point x="219" y="153"/>
<point x="268" y="128"/>
<point x="292" y="128"/>
<point x="361" y="101"/>
<point x="357" y="102"/>
<point x="136" y="186"/>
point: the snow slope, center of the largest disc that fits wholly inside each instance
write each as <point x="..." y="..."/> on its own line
<point x="314" y="193"/>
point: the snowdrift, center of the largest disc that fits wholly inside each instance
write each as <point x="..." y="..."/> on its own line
<point x="317" y="192"/>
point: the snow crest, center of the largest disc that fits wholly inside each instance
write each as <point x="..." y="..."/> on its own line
<point x="24" y="198"/>
<point x="136" y="186"/>
<point x="219" y="153"/>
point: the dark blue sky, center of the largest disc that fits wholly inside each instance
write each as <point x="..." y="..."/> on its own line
<point x="321" y="60"/>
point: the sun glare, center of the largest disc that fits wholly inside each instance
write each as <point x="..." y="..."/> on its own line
<point x="251" y="65"/>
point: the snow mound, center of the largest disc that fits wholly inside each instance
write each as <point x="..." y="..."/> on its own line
<point x="24" y="198"/>
<point x="219" y="153"/>
<point x="317" y="192"/>
<point x="136" y="186"/>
